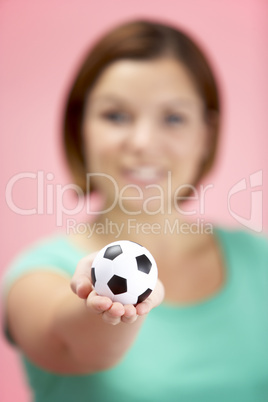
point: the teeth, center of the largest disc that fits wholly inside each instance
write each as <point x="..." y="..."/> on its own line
<point x="145" y="173"/>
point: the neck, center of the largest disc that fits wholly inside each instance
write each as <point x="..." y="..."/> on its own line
<point x="170" y="232"/>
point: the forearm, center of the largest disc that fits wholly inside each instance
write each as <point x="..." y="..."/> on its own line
<point x="90" y="343"/>
<point x="61" y="332"/>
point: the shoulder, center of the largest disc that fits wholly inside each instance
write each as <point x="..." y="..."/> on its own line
<point x="54" y="253"/>
<point x="244" y="239"/>
<point x="246" y="251"/>
<point x="246" y="254"/>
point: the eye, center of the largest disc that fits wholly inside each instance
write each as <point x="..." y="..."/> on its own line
<point x="174" y="119"/>
<point x="116" y="117"/>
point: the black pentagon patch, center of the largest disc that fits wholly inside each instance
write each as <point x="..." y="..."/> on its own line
<point x="144" y="295"/>
<point x="93" y="276"/>
<point x="144" y="264"/>
<point x="117" y="284"/>
<point x="112" y="252"/>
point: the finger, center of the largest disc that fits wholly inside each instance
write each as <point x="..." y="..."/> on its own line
<point x="130" y="315"/>
<point x="114" y="314"/>
<point x="81" y="281"/>
<point x="111" y="320"/>
<point x="130" y="311"/>
<point x="99" y="304"/>
<point x="155" y="298"/>
<point x="144" y="307"/>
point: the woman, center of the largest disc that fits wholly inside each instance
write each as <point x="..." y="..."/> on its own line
<point x="141" y="129"/>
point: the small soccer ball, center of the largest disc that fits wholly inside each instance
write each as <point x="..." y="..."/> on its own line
<point x="124" y="271"/>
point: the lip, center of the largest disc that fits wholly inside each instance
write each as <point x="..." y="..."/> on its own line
<point x="143" y="175"/>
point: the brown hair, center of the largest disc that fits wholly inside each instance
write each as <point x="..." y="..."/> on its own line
<point x="136" y="40"/>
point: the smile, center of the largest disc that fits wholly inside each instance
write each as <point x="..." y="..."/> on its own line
<point x="144" y="174"/>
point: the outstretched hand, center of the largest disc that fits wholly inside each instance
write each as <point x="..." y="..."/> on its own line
<point x="112" y="312"/>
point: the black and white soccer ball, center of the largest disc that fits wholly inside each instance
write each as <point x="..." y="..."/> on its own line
<point x="124" y="271"/>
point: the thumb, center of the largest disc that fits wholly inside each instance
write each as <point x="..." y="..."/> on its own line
<point x="81" y="283"/>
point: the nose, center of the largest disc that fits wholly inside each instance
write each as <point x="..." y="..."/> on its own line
<point x="143" y="137"/>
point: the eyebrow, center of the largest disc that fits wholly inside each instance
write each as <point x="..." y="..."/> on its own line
<point x="107" y="98"/>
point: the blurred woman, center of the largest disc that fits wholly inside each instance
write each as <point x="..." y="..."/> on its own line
<point x="140" y="131"/>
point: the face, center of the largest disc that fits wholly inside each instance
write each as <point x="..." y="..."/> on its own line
<point x="144" y="132"/>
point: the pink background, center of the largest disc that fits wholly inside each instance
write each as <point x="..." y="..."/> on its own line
<point x="41" y="43"/>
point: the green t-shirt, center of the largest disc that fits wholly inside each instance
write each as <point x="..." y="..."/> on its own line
<point x="213" y="351"/>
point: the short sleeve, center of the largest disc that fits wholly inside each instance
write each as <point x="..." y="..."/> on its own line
<point x="54" y="254"/>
